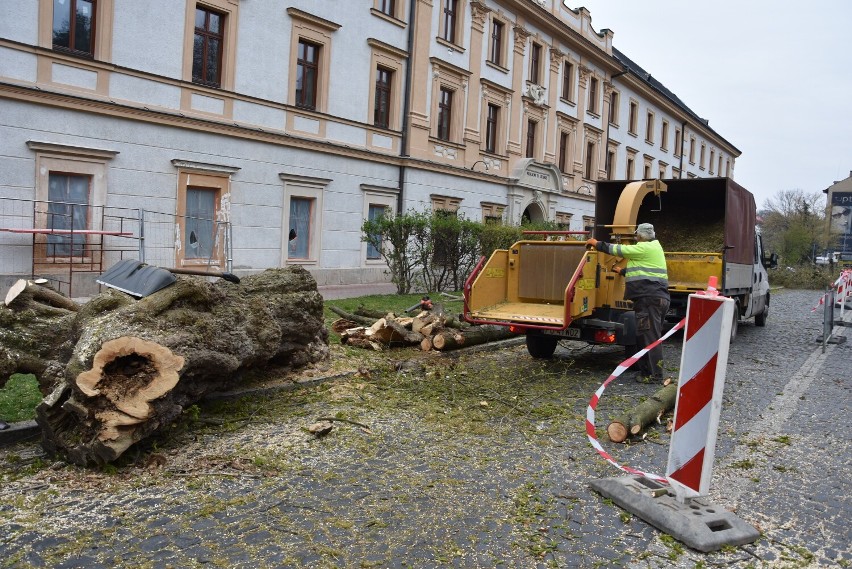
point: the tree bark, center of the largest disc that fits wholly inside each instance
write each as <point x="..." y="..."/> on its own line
<point x="454" y="339"/>
<point x="353" y="317"/>
<point x="37" y="326"/>
<point x="645" y="413"/>
<point x="137" y="364"/>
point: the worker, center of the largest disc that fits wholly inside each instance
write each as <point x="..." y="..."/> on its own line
<point x="647" y="285"/>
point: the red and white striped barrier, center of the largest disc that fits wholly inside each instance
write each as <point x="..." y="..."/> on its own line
<point x="843" y="287"/>
<point x="593" y="405"/>
<point x="703" y="365"/>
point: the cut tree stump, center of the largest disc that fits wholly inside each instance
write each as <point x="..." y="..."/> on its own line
<point x="137" y="364"/>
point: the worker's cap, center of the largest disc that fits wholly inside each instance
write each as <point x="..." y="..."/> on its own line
<point x="645" y="230"/>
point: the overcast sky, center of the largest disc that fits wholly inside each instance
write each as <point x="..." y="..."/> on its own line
<point x="774" y="78"/>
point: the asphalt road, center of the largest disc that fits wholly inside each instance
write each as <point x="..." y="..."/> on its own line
<point x="469" y="460"/>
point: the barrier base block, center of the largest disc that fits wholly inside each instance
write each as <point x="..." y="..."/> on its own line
<point x="832" y="339"/>
<point x="697" y="523"/>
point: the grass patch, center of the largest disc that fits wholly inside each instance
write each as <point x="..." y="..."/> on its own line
<point x="19" y="398"/>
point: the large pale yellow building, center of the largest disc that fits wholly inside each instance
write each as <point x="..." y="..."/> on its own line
<point x="216" y="126"/>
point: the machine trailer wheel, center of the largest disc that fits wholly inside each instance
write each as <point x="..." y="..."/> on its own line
<point x="541" y="347"/>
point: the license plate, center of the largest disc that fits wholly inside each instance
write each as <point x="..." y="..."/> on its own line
<point x="567" y="333"/>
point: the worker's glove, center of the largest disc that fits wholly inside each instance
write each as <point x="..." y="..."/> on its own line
<point x="592" y="243"/>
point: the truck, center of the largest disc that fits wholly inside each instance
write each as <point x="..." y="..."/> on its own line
<point x="557" y="288"/>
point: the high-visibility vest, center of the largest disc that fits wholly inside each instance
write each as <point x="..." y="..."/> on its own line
<point x="646" y="273"/>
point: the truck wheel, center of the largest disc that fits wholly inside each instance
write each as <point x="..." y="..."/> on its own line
<point x="541" y="347"/>
<point x="760" y="319"/>
<point x="735" y="322"/>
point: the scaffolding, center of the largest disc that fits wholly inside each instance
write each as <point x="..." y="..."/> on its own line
<point x="59" y="241"/>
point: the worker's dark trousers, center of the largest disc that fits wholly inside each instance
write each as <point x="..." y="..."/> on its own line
<point x="650" y="315"/>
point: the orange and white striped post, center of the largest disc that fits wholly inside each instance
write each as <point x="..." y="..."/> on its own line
<point x="703" y="365"/>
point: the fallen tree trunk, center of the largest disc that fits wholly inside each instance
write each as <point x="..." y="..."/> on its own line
<point x="647" y="412"/>
<point x="136" y="366"/>
<point x="454" y="339"/>
<point x="37" y="326"/>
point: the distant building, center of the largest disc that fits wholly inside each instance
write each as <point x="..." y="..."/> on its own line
<point x="839" y="213"/>
<point x="263" y="117"/>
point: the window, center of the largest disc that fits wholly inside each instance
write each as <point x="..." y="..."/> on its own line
<point x="563" y="151"/>
<point x="662" y="168"/>
<point x="631" y="120"/>
<point x="677" y="144"/>
<point x="207" y="47"/>
<point x="67" y="209"/>
<point x="495" y="52"/>
<point x="712" y="159"/>
<point x="628" y="171"/>
<point x="445" y="113"/>
<point x="377" y="202"/>
<point x="563" y="220"/>
<point x="728" y="168"/>
<point x="74" y="26"/>
<point x="692" y="150"/>
<point x="593" y="95"/>
<point x="307" y="69"/>
<point x="589" y="224"/>
<point x="387" y="7"/>
<point x="531" y="127"/>
<point x="492" y="124"/>
<point x="664" y="136"/>
<point x="381" y="112"/>
<point x="701" y="157"/>
<point x="535" y="64"/>
<point x="202" y="224"/>
<point x="492" y="213"/>
<point x="719" y="169"/>
<point x="70" y="192"/>
<point x="613" y="108"/>
<point x="590" y="160"/>
<point x="450" y="15"/>
<point x="649" y="128"/>
<point x="302" y="211"/>
<point x="199" y="234"/>
<point x="568" y="81"/>
<point x="675" y="172"/>
<point x="301" y="218"/>
<point x="310" y="63"/>
<point x="647" y="173"/>
<point x="447" y="236"/>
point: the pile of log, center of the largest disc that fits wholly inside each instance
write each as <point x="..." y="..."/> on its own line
<point x="117" y="369"/>
<point x="429" y="329"/>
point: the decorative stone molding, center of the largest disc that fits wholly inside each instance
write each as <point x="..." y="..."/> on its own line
<point x="445" y="151"/>
<point x="585" y="72"/>
<point x="556" y="58"/>
<point x="521" y="37"/>
<point x="478" y="12"/>
<point x="608" y="89"/>
<point x="537" y="93"/>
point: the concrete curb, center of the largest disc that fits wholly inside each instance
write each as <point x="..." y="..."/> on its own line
<point x="17" y="432"/>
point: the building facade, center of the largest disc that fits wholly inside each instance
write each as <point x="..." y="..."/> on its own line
<point x="314" y="115"/>
<point x="839" y="216"/>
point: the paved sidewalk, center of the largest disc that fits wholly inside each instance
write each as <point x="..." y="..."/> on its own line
<point x="331" y="292"/>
